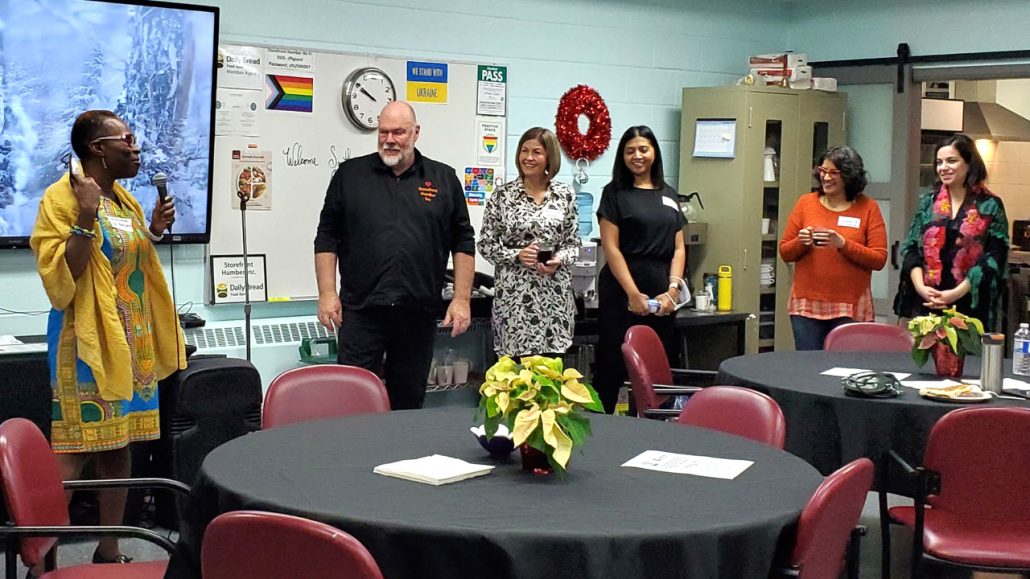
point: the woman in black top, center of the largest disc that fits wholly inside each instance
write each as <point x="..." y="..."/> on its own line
<point x="642" y="237"/>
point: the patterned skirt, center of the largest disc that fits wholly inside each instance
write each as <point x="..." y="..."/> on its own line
<point x="82" y="420"/>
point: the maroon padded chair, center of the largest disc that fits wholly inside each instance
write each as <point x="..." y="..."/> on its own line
<point x="739" y="411"/>
<point x="868" y="337"/>
<point x="827" y="527"/>
<point x="650" y="377"/>
<point x="324" y="391"/>
<point x="972" y="504"/>
<point x="260" y="545"/>
<point x="35" y="498"/>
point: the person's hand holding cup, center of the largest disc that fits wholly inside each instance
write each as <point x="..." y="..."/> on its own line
<point x="823" y="237"/>
<point x="544" y="252"/>
<point x="546" y="264"/>
<point x="819" y="236"/>
<point x="805" y="236"/>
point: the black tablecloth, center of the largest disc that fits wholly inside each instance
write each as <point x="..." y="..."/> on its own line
<point x="829" y="429"/>
<point x="601" y="520"/>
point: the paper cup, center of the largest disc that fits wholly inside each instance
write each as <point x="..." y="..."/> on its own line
<point x="701" y="302"/>
<point x="445" y="375"/>
<point x="461" y="371"/>
<point x="431" y="379"/>
<point x="765" y="226"/>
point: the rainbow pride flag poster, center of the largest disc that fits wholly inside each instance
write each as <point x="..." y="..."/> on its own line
<point x="490" y="134"/>
<point x="289" y="93"/>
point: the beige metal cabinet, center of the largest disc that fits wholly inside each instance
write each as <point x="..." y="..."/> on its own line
<point x="798" y="126"/>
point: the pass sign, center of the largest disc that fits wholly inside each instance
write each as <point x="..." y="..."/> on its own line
<point x="492" y="92"/>
<point x="493" y="73"/>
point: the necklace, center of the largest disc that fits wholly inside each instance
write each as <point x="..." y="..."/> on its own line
<point x="825" y="201"/>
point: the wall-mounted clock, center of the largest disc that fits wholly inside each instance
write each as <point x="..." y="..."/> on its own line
<point x="365" y="92"/>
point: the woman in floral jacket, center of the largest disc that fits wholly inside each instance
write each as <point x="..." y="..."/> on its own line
<point x="958" y="244"/>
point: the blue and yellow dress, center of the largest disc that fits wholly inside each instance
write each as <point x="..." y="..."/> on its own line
<point x="97" y="407"/>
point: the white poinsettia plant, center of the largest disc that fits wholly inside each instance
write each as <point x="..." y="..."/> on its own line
<point x="540" y="402"/>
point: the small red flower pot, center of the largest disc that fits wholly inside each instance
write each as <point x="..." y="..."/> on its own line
<point x="948" y="363"/>
<point x="533" y="460"/>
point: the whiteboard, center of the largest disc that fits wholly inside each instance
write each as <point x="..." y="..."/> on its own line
<point x="305" y="149"/>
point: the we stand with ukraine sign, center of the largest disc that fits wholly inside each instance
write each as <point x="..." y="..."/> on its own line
<point x="427" y="82"/>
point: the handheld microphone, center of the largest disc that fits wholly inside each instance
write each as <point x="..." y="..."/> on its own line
<point x="160" y="180"/>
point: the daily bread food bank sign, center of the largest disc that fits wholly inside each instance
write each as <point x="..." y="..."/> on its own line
<point x="227" y="286"/>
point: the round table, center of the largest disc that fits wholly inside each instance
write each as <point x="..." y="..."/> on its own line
<point x="601" y="520"/>
<point x="828" y="428"/>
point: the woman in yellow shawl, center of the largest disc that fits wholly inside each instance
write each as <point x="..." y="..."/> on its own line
<point x="113" y="330"/>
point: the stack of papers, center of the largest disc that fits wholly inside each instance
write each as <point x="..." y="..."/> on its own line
<point x="433" y="470"/>
<point x="11" y="345"/>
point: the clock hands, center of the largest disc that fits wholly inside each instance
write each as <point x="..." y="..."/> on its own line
<point x="360" y="112"/>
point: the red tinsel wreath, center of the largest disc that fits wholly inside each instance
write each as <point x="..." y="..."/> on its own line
<point x="583" y="100"/>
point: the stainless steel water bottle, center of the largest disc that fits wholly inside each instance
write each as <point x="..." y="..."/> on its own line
<point x="991" y="357"/>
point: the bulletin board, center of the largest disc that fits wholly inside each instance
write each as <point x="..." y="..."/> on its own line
<point x="281" y="132"/>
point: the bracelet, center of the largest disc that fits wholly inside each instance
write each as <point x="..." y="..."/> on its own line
<point x="151" y="235"/>
<point x="679" y="281"/>
<point x="80" y="232"/>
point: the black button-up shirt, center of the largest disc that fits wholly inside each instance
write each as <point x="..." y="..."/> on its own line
<point x="392" y="234"/>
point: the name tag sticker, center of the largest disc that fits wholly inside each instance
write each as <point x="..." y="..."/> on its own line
<point x="670" y="203"/>
<point x="853" y="222"/>
<point x="553" y="214"/>
<point x="121" y="223"/>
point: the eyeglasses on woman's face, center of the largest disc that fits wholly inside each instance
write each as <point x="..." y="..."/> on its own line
<point x="127" y="138"/>
<point x="824" y="173"/>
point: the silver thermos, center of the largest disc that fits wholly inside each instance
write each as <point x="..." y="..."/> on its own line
<point x="991" y="360"/>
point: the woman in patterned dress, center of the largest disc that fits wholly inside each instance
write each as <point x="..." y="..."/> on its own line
<point x="113" y="331"/>
<point x="533" y="310"/>
<point x="957" y="247"/>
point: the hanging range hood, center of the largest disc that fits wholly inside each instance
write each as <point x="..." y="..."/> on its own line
<point x="995" y="122"/>
<point x="979" y="120"/>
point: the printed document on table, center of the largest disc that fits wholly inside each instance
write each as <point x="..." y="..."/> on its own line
<point x="724" y="468"/>
<point x="845" y="372"/>
<point x="1013" y="384"/>
<point x="920" y="384"/>
<point x="1011" y="387"/>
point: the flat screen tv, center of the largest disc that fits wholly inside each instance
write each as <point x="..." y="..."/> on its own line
<point x="152" y="63"/>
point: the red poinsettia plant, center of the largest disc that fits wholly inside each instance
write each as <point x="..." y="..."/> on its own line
<point x="957" y="331"/>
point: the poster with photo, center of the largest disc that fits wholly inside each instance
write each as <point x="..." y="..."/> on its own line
<point x="252" y="178"/>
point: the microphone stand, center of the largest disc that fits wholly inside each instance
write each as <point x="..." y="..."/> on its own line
<point x="244" y="197"/>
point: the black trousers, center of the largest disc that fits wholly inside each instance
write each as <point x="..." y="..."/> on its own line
<point x="405" y="335"/>
<point x="614" y="318"/>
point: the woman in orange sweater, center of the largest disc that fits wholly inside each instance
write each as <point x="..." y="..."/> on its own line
<point x="837" y="237"/>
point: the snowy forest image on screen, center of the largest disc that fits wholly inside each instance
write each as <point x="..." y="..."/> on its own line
<point x="152" y="66"/>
